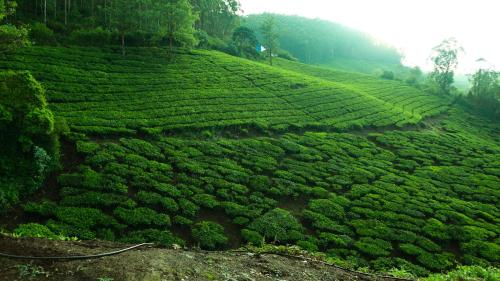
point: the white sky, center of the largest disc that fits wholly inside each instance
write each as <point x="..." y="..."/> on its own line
<point x="414" y="26"/>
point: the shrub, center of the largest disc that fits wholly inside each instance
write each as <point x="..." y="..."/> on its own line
<point x="209" y="235"/>
<point x="278" y="225"/>
<point x="92" y="37"/>
<point x="252" y="237"/>
<point x="327" y="208"/>
<point x="42" y="35"/>
<point x="373" y="247"/>
<point x="164" y="238"/>
<point x="206" y="200"/>
<point x="436" y="261"/>
<point x="308" y="246"/>
<point x="187" y="207"/>
<point x="141" y="216"/>
<point x="386" y="74"/>
<point x="467" y="273"/>
<point x="34" y="230"/>
<point x="85" y="218"/>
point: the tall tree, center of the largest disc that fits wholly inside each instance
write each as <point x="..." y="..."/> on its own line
<point x="270" y="36"/>
<point x="124" y="17"/>
<point x="177" y="22"/>
<point x="11" y="37"/>
<point x="245" y="41"/>
<point x="485" y="91"/>
<point x="217" y="18"/>
<point x="445" y="59"/>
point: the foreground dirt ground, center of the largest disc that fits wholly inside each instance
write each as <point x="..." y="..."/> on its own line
<point x="157" y="264"/>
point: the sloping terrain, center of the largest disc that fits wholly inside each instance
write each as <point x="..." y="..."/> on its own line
<point x="104" y="92"/>
<point x="151" y="264"/>
<point x="370" y="172"/>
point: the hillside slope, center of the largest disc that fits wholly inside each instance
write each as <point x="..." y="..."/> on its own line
<point x="101" y="91"/>
<point x="211" y="150"/>
<point x="151" y="264"/>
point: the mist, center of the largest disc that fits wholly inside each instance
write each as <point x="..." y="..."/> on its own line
<point x="414" y="27"/>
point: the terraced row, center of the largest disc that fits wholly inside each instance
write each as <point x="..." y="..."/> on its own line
<point x="100" y="91"/>
<point x="417" y="200"/>
<point x="394" y="93"/>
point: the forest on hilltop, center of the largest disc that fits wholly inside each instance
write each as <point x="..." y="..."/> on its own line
<point x="159" y="121"/>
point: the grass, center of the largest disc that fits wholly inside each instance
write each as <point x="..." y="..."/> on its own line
<point x="286" y="154"/>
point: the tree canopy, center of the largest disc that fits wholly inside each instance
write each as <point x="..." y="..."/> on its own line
<point x="445" y="59"/>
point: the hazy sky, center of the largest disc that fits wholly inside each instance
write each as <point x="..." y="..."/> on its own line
<point x="415" y="26"/>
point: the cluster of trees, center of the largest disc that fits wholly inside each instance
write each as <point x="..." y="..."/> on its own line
<point x="319" y="41"/>
<point x="484" y="93"/>
<point x="204" y="23"/>
<point x="174" y="22"/>
<point x="11" y="37"/>
<point x="29" y="137"/>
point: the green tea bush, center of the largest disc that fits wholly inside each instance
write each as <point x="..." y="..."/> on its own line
<point x="278" y="225"/>
<point x="34" y="230"/>
<point x="209" y="235"/>
<point x="40" y="34"/>
<point x="163" y="238"/>
<point x="141" y="217"/>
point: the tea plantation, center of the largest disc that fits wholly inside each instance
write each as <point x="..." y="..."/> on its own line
<point x="210" y="150"/>
<point x="102" y="92"/>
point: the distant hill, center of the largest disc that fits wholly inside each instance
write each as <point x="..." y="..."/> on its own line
<point x="321" y="42"/>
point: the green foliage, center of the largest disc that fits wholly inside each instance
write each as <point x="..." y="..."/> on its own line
<point x="34" y="230"/>
<point x="373" y="247"/>
<point x="12" y="38"/>
<point x="199" y="144"/>
<point x="31" y="271"/>
<point x="278" y="225"/>
<point x="141" y="216"/>
<point x="209" y="235"/>
<point x="320" y="41"/>
<point x="252" y="237"/>
<point x="467" y="273"/>
<point x="270" y="36"/>
<point x="40" y="34"/>
<point x="485" y="92"/>
<point x="445" y="59"/>
<point x="179" y="20"/>
<point x="92" y="37"/>
<point x="245" y="40"/>
<point x="164" y="238"/>
<point x="29" y="142"/>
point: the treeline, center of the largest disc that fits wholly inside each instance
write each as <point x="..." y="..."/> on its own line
<point x="129" y="22"/>
<point x="213" y="24"/>
<point x="320" y="41"/>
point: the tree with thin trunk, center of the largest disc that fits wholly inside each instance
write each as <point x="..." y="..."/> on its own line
<point x="268" y="29"/>
<point x="177" y="23"/>
<point x="12" y="38"/>
<point x="445" y="59"/>
<point x="124" y="17"/>
<point x="45" y="12"/>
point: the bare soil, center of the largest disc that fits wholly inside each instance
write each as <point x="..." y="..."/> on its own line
<point x="152" y="264"/>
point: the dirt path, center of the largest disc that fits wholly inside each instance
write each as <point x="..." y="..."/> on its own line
<point x="152" y="264"/>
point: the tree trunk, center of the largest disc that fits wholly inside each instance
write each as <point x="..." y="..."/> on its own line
<point x="270" y="56"/>
<point x="55" y="9"/>
<point x="122" y="34"/>
<point x="105" y="13"/>
<point x="171" y="42"/>
<point x="45" y="12"/>
<point x="65" y="12"/>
